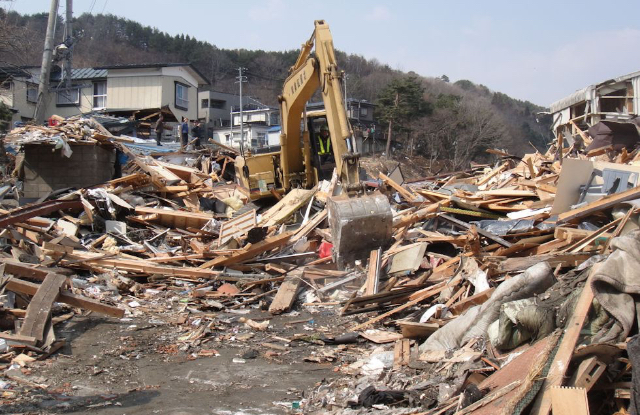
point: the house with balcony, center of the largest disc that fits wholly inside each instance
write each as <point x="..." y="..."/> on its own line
<point x="138" y="91"/>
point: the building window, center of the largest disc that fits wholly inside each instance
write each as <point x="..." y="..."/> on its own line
<point x="100" y="95"/>
<point x="217" y="103"/>
<point x="363" y="112"/>
<point x="205" y="103"/>
<point x="182" y="96"/>
<point x="68" y="97"/>
<point x="32" y="93"/>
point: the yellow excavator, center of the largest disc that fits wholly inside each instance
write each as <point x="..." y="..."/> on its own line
<point x="359" y="222"/>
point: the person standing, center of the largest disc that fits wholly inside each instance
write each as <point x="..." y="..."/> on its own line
<point x="184" y="133"/>
<point x="196" y="132"/>
<point x="159" y="129"/>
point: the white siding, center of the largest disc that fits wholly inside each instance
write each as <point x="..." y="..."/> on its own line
<point x="134" y="92"/>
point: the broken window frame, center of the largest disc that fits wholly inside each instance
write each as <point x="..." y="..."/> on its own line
<point x="204" y="103"/>
<point x="181" y="96"/>
<point x="100" y="96"/>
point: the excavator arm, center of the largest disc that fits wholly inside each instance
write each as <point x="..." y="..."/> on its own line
<point x="309" y="74"/>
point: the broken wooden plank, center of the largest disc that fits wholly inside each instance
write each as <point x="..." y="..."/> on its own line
<point x="407" y="195"/>
<point x="286" y="295"/>
<point x="371" y="285"/>
<point x="66" y="297"/>
<point x="482" y="232"/>
<point x="542" y="404"/>
<point x="250" y="252"/>
<point x="176" y="218"/>
<point x="286" y="207"/>
<point x="26" y="212"/>
<point x="237" y="226"/>
<point x="39" y="309"/>
<point x="310" y="226"/>
<point x="569" y="401"/>
<point x="554" y="259"/>
<point x="599" y="205"/>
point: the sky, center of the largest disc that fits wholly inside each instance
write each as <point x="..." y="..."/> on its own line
<point x="539" y="51"/>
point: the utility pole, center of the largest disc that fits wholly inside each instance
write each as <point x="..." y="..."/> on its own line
<point x="240" y="80"/>
<point x="68" y="34"/>
<point x="45" y="69"/>
<point x="231" y="123"/>
<point x="344" y="83"/>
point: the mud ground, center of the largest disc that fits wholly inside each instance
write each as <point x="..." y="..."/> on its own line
<point x="135" y="366"/>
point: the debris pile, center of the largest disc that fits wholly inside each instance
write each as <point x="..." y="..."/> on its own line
<point x="508" y="287"/>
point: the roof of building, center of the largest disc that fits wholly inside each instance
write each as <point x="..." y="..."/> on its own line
<point x="88" y="73"/>
<point x="13" y="72"/>
<point x="587" y="92"/>
<point x="203" y="79"/>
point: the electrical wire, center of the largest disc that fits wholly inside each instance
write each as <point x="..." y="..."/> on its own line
<point x="105" y="6"/>
<point x="93" y="3"/>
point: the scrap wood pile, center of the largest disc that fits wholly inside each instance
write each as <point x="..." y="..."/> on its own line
<point x="508" y="288"/>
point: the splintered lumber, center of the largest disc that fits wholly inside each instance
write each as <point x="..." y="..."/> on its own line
<point x="561" y="360"/>
<point x="420" y="215"/>
<point x="371" y="285"/>
<point x="310" y="226"/>
<point x="286" y="207"/>
<point x="569" y="401"/>
<point x="406" y="194"/>
<point x="251" y="251"/>
<point x="286" y="295"/>
<point x="237" y="226"/>
<point x="554" y="259"/>
<point x="418" y="297"/>
<point x="81" y="258"/>
<point x="415" y="330"/>
<point x="30" y="211"/>
<point x="176" y="218"/>
<point x="477" y="299"/>
<point x="482" y="232"/>
<point x="485" y="179"/>
<point x="66" y="297"/>
<point x="599" y="205"/>
<point x="39" y="309"/>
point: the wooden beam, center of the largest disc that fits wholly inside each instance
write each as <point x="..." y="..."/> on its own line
<point x="406" y="194"/>
<point x="250" y="252"/>
<point x="286" y="295"/>
<point x="599" y="205"/>
<point x="39" y="309"/>
<point x="66" y="297"/>
<point x="482" y="232"/>
<point x="562" y="358"/>
<point x="371" y="285"/>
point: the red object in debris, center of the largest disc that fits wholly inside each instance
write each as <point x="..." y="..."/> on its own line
<point x="53" y="122"/>
<point x="325" y="249"/>
<point x="228" y="289"/>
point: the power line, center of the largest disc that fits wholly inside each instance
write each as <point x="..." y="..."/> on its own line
<point x="93" y="3"/>
<point x="105" y="6"/>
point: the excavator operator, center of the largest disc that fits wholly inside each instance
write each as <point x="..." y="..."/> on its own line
<point x="324" y="144"/>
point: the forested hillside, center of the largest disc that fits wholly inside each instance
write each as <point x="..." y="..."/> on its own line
<point x="461" y="112"/>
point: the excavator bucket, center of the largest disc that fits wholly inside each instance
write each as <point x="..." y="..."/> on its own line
<point x="358" y="225"/>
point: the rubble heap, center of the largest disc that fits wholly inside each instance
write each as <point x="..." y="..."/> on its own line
<point x="508" y="287"/>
